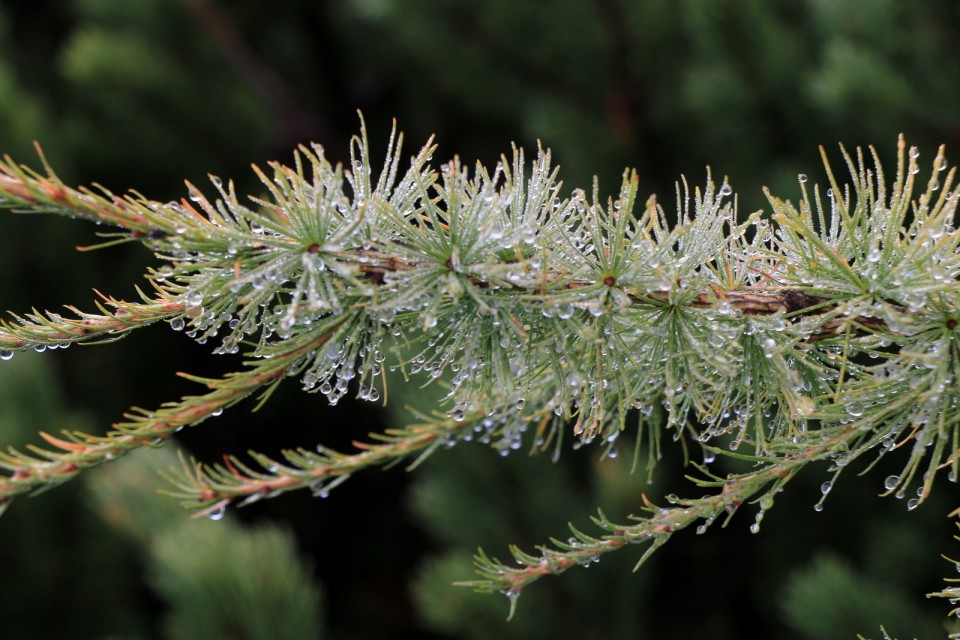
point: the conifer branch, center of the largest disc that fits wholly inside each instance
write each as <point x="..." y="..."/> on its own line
<point x="42" y="468"/>
<point x="210" y="488"/>
<point x="656" y="528"/>
<point x="28" y="191"/>
<point x="828" y="330"/>
<point x="52" y="330"/>
<point x="951" y="592"/>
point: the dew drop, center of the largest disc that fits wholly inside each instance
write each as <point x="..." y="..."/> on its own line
<point x="218" y="513"/>
<point x="512" y="595"/>
<point x="177" y="324"/>
<point x="755" y="528"/>
<point x="769" y="345"/>
<point x="891" y="482"/>
<point x="826" y="487"/>
<point x="6" y="355"/>
<point x="802" y="178"/>
<point x="913" y="503"/>
<point x="855" y="410"/>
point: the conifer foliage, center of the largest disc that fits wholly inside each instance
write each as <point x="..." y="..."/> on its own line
<point x="825" y="330"/>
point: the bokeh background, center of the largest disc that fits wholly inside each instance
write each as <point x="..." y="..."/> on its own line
<point x="142" y="95"/>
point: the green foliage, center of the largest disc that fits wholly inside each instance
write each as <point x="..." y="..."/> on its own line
<point x="667" y="86"/>
<point x="829" y="599"/>
<point x="57" y="555"/>
<point x="251" y="585"/>
<point x="220" y="580"/>
<point x="132" y="70"/>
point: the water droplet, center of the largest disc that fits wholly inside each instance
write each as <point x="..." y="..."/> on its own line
<point x="217" y="412"/>
<point x="818" y="506"/>
<point x="218" y="513"/>
<point x="6" y="355"/>
<point x="913" y="503"/>
<point x="512" y="595"/>
<point x="826" y="487"/>
<point x="755" y="528"/>
<point x="177" y="324"/>
<point x="802" y="178"/>
<point x="891" y="482"/>
<point x="855" y="410"/>
<point x="769" y="346"/>
<point x="193" y="299"/>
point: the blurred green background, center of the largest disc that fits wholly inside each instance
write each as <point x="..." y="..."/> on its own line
<point x="145" y="94"/>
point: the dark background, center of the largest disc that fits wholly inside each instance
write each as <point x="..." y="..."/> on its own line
<point x="142" y="95"/>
